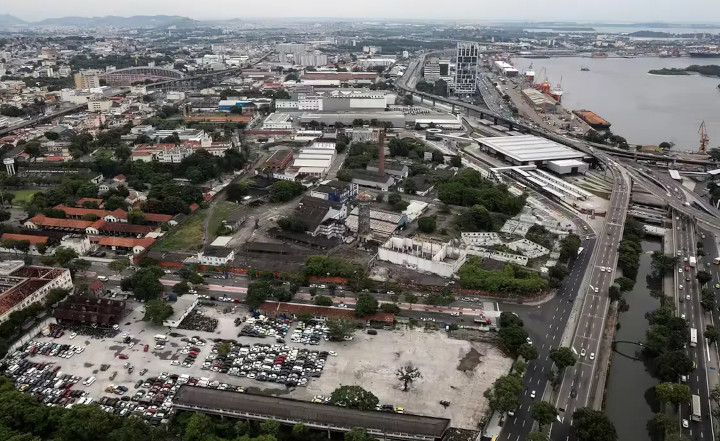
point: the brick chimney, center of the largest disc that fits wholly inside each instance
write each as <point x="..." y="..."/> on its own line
<point x="381" y="152"/>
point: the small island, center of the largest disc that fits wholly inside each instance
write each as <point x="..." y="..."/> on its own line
<point x="709" y="70"/>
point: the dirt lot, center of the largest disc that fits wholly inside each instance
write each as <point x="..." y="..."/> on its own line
<point x="458" y="371"/>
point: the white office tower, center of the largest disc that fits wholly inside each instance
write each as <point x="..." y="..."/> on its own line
<point x="466" y="71"/>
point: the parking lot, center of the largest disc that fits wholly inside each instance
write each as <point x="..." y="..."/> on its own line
<point x="303" y="366"/>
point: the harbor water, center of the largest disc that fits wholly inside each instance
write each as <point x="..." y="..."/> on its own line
<point x="645" y="109"/>
<point x="628" y="398"/>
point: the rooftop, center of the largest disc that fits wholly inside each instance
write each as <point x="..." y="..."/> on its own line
<point x="32" y="239"/>
<point x="529" y="148"/>
<point x="216" y="251"/>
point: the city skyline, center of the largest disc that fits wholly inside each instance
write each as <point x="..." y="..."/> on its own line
<point x="615" y="11"/>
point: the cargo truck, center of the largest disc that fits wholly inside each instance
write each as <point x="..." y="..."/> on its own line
<point x="692" y="261"/>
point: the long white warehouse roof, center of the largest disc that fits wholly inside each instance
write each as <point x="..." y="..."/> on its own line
<point x="529" y="148"/>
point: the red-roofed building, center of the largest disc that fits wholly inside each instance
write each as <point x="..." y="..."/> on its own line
<point x="120" y="178"/>
<point x="70" y="225"/>
<point x="28" y="284"/>
<point x="275" y="309"/>
<point x="96" y="200"/>
<point x="34" y="241"/>
<point x="78" y="213"/>
<point x="194" y="207"/>
<point x="123" y="229"/>
<point x="136" y="246"/>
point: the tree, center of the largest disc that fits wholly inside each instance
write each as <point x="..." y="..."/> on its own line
<point x="52" y="136"/>
<point x="341" y="327"/>
<point x="4" y="215"/>
<point x="32" y="149"/>
<point x="510" y="319"/>
<point x="569" y="247"/>
<point x="614" y="292"/>
<point x="354" y="397"/>
<point x="707" y="299"/>
<point x="136" y="217"/>
<point x="703" y="277"/>
<point x="712" y="334"/>
<point x="674" y="393"/>
<point x="513" y="337"/>
<point x="536" y="436"/>
<point x="63" y="255"/>
<point x="157" y="311"/>
<point x="410" y="297"/>
<point x="224" y="348"/>
<point x="323" y="301"/>
<point x="625" y="283"/>
<point x="198" y="428"/>
<point x="593" y="425"/>
<point x="359" y="434"/>
<point x="258" y="293"/>
<point x="283" y="191"/>
<point x="407" y="375"/>
<point x="366" y="305"/>
<point x="543" y="412"/>
<point x="562" y="357"/>
<point x="55" y="295"/>
<point x="663" y="263"/>
<point x="528" y="352"/>
<point x="426" y="224"/>
<point x="181" y="288"/>
<point x="505" y="393"/>
<point x="119" y="265"/>
<point x="670" y="365"/>
<point x="145" y="283"/>
<point x="390" y="308"/>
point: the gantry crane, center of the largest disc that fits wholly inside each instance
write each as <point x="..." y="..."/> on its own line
<point x="704" y="140"/>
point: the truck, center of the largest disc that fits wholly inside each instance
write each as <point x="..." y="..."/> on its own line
<point x="692" y="261"/>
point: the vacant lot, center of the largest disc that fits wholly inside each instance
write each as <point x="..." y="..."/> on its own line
<point x="219" y="213"/>
<point x="458" y="371"/>
<point x="22" y="196"/>
<point x="187" y="236"/>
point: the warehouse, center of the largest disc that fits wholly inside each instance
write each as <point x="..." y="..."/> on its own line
<point x="396" y="118"/>
<point x="568" y="166"/>
<point x="540" y="101"/>
<point x="528" y="150"/>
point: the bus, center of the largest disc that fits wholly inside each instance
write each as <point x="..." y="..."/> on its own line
<point x="693" y="337"/>
<point x="696" y="414"/>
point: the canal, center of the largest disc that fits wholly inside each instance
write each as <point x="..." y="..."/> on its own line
<point x="629" y="395"/>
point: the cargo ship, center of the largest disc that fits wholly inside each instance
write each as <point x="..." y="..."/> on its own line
<point x="599" y="55"/>
<point x="593" y="120"/>
<point x="704" y="52"/>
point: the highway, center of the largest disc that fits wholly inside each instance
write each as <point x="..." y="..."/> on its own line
<point x="687" y="294"/>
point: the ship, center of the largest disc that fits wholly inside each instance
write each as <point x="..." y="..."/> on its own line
<point x="592" y="119"/>
<point x="555" y="92"/>
<point x="599" y="55"/>
<point x="585" y="69"/>
<point x="704" y="53"/>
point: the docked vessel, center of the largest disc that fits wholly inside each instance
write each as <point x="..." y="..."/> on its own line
<point x="704" y="53"/>
<point x="599" y="55"/>
<point x="555" y="92"/>
<point x="592" y="119"/>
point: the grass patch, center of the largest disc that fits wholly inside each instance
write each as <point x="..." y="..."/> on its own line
<point x="219" y="213"/>
<point x="23" y="196"/>
<point x="187" y="236"/>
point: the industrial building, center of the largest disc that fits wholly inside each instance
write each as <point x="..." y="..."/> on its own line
<point x="505" y="68"/>
<point x="277" y="121"/>
<point x="183" y="306"/>
<point x="528" y="149"/>
<point x="431" y="72"/>
<point x="442" y="259"/>
<point x="382" y="223"/>
<point x="539" y="101"/>
<point x="467" y="68"/>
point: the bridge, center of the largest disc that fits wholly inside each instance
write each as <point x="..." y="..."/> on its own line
<point x="614" y="346"/>
<point x="130" y="75"/>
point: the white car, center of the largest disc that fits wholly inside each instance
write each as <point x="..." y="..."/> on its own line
<point x="597" y="289"/>
<point x="682" y="316"/>
<point x="192" y="291"/>
<point x="687" y="296"/>
<point x="602" y="269"/>
<point x="174" y="363"/>
<point x="592" y="356"/>
<point x="532" y="394"/>
<point x="73" y="335"/>
<point x="528" y="340"/>
<point x="680" y="287"/>
<point x="582" y="352"/>
<point x="685" y="423"/>
<point x="680" y="270"/>
<point x="455" y="314"/>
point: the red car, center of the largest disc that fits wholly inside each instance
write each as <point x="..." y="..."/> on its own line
<point x="123" y="356"/>
<point x="145" y="349"/>
<point x="687" y="268"/>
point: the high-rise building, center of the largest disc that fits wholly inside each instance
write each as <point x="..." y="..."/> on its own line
<point x="466" y="70"/>
<point x="432" y="70"/>
<point x="87" y="79"/>
<point x="311" y="59"/>
<point x="290" y="48"/>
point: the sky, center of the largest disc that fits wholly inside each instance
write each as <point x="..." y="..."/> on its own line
<point x="698" y="11"/>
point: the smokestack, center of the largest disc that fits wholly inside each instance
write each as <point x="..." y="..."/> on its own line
<point x="381" y="152"/>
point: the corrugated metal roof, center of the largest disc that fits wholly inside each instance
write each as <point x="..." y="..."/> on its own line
<point x="529" y="148"/>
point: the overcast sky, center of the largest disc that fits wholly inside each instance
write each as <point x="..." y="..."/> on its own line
<point x="561" y="10"/>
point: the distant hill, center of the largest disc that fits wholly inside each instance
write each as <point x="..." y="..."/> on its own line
<point x="137" y="21"/>
<point x="10" y="20"/>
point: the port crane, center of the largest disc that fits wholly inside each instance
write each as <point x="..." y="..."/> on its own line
<point x="704" y="140"/>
